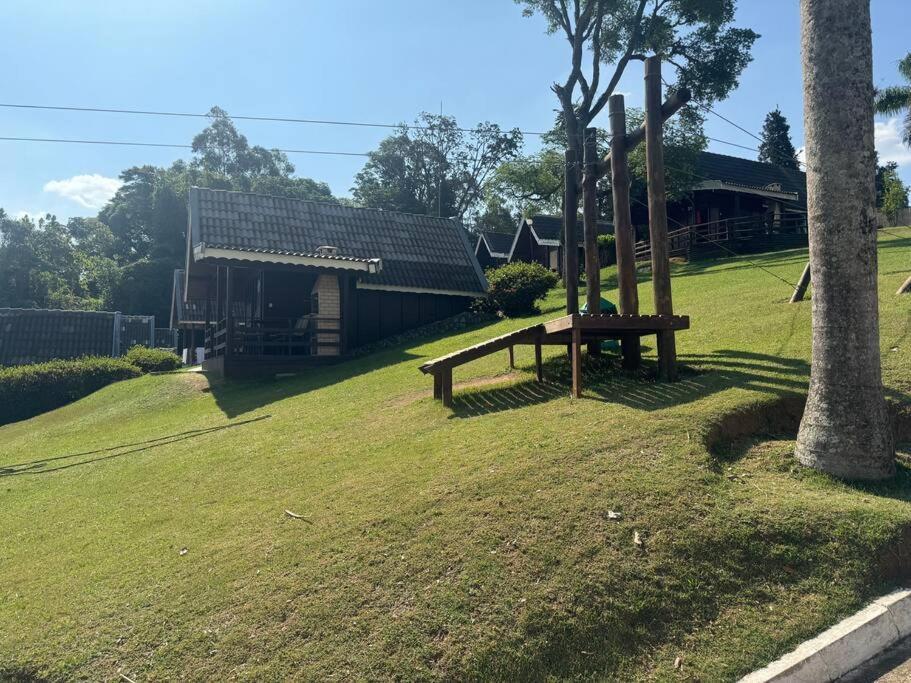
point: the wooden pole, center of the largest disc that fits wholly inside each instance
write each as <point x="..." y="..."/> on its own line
<point x="512" y="358"/>
<point x="624" y="234"/>
<point x="446" y="388"/>
<point x="577" y="360"/>
<point x="570" y="241"/>
<point x="657" y="215"/>
<point x="905" y="288"/>
<point x="802" y="284"/>
<point x="590" y="222"/>
<point x="539" y="369"/>
<point x="229" y="313"/>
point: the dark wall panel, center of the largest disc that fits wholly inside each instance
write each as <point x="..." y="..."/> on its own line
<point x="383" y="314"/>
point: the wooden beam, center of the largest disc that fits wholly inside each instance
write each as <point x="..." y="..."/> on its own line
<point x="802" y="284"/>
<point x="624" y="234"/>
<point x="906" y="287"/>
<point x="657" y="214"/>
<point x="577" y="362"/>
<point x="512" y="357"/>
<point x="229" y="313"/>
<point x="446" y="387"/>
<point x="570" y="241"/>
<point x="437" y="386"/>
<point x="539" y="366"/>
<point x="671" y="106"/>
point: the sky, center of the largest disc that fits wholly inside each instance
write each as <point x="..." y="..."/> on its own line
<point x="359" y="60"/>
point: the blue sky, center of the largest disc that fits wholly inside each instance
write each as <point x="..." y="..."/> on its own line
<point x="360" y="60"/>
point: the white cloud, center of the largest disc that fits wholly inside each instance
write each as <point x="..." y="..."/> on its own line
<point x="889" y="142"/>
<point x="91" y="191"/>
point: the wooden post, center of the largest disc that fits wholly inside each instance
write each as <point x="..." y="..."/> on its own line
<point x="539" y="369"/>
<point x="229" y="317"/>
<point x="512" y="358"/>
<point x="905" y="288"/>
<point x="657" y="215"/>
<point x="590" y="222"/>
<point x="577" y="360"/>
<point x="437" y="386"/>
<point x="624" y="234"/>
<point x="446" y="388"/>
<point x="802" y="284"/>
<point x="570" y="241"/>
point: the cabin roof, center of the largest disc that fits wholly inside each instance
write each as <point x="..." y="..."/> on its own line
<point x="498" y="243"/>
<point x="748" y="175"/>
<point x="548" y="230"/>
<point x="389" y="249"/>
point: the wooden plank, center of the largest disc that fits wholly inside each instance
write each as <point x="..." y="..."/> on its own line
<point x="559" y="324"/>
<point x="644" y="323"/>
<point x="906" y="287"/>
<point x="802" y="284"/>
<point x="577" y="362"/>
<point x="624" y="233"/>
<point x="539" y="366"/>
<point x="526" y="335"/>
<point x="437" y="386"/>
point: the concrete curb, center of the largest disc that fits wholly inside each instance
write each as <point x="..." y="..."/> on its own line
<point x="845" y="646"/>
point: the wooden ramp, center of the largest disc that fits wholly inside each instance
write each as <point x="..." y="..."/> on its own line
<point x="572" y="331"/>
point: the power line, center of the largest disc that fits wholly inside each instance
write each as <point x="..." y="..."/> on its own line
<point x="279" y="119"/>
<point x="127" y="143"/>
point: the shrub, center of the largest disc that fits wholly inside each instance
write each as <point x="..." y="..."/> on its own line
<point x="152" y="360"/>
<point x="605" y="241"/>
<point x="29" y="390"/>
<point x="516" y="288"/>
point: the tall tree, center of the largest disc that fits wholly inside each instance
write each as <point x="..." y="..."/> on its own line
<point x="434" y="167"/>
<point x="896" y="99"/>
<point x="845" y="429"/>
<point x="776" y="146"/>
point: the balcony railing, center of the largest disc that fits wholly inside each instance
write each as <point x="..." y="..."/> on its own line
<point x="310" y="335"/>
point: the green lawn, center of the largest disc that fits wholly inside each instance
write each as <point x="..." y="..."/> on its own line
<point x="144" y="529"/>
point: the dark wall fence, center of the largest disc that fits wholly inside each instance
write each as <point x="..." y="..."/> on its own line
<point x="36" y="335"/>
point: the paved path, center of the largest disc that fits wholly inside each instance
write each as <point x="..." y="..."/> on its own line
<point x="892" y="666"/>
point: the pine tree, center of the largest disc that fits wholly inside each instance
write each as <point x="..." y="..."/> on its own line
<point x="776" y="147"/>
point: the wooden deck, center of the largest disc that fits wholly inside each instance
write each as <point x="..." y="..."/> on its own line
<point x="572" y="331"/>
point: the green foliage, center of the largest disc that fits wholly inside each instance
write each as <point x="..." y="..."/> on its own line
<point x="152" y="360"/>
<point x="895" y="198"/>
<point x="776" y="146"/>
<point x="434" y="167"/>
<point x="605" y="241"/>
<point x="143" y="286"/>
<point x="515" y="288"/>
<point x="29" y="390"/>
<point x="896" y="99"/>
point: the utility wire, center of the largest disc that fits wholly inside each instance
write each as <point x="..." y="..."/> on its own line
<point x="280" y="119"/>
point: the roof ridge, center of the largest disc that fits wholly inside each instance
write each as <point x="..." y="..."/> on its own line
<point x="385" y="212"/>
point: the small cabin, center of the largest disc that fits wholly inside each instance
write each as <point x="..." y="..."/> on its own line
<point x="539" y="239"/>
<point x="492" y="248"/>
<point x="273" y="285"/>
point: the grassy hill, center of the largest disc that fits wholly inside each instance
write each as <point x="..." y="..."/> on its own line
<point x="144" y="530"/>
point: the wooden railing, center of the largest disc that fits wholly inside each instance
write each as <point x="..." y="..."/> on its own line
<point x="725" y="233"/>
<point x="307" y="336"/>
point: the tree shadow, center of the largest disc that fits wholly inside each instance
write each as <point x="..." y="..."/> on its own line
<point x="39" y="465"/>
<point x="604" y="380"/>
<point x="21" y="676"/>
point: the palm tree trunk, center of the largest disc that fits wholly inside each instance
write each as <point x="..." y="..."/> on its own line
<point x="845" y="429"/>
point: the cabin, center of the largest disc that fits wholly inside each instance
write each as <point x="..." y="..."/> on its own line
<point x="274" y="285"/>
<point x="492" y="248"/>
<point x="539" y="239"/>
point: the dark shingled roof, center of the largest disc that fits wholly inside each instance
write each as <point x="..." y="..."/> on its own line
<point x="551" y="228"/>
<point x="498" y="242"/>
<point x="751" y="174"/>
<point x="417" y="252"/>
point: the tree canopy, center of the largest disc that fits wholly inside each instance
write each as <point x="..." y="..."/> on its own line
<point x="896" y="99"/>
<point x="776" y="146"/>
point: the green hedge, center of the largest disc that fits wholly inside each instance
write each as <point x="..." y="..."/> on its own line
<point x="152" y="360"/>
<point x="29" y="390"/>
<point x="515" y="289"/>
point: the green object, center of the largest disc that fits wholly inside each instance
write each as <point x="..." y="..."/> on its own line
<point x="609" y="308"/>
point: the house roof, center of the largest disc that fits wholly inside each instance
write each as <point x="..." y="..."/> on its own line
<point x="720" y="171"/>
<point x="389" y="249"/>
<point x="498" y="243"/>
<point x="548" y="230"/>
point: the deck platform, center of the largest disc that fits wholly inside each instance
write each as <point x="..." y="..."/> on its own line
<point x="572" y="331"/>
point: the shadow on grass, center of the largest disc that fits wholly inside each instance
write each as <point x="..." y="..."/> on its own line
<point x="21" y="676"/>
<point x="39" y="466"/>
<point x="603" y="380"/>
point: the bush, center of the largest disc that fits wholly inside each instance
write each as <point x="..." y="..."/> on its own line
<point x="29" y="390"/>
<point x="152" y="360"/>
<point x="516" y="288"/>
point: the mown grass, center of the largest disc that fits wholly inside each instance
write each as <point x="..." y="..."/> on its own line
<point x="144" y="527"/>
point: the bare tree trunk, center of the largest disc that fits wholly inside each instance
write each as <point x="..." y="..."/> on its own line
<point x="845" y="429"/>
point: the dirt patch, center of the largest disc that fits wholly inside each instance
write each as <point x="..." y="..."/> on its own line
<point x="411" y="397"/>
<point x="195" y="381"/>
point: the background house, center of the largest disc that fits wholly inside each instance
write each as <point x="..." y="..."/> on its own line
<point x="492" y="248"/>
<point x="539" y="239"/>
<point x="286" y="282"/>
